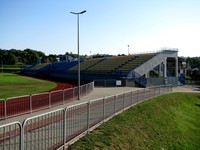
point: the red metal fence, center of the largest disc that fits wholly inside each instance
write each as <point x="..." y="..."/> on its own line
<point x="17" y="105"/>
<point x="27" y="104"/>
<point x="2" y="110"/>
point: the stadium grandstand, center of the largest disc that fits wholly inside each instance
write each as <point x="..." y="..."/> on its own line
<point x="148" y="69"/>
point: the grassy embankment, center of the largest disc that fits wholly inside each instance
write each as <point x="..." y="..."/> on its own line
<point x="170" y="122"/>
<point x="12" y="85"/>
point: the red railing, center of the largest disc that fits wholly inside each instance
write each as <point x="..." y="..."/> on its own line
<point x="27" y="104"/>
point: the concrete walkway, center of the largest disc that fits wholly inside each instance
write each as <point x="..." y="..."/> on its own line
<point x="186" y="89"/>
<point x="96" y="94"/>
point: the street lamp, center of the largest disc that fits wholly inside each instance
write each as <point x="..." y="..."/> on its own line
<point x="128" y="49"/>
<point x="78" y="49"/>
<point x="1" y="61"/>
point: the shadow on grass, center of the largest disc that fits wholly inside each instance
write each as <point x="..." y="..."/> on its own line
<point x="197" y="105"/>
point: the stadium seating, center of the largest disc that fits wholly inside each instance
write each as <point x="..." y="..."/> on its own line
<point x="39" y="66"/>
<point x="111" y="63"/>
<point x="97" y="65"/>
<point x="137" y="61"/>
<point x="85" y="65"/>
<point x="137" y="67"/>
<point x="62" y="66"/>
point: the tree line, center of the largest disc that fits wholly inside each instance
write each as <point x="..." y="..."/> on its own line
<point x="28" y="56"/>
<point x="13" y="56"/>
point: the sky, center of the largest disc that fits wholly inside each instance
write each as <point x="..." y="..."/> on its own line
<point x="108" y="26"/>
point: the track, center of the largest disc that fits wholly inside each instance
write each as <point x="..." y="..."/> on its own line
<point x="25" y="104"/>
<point x="61" y="86"/>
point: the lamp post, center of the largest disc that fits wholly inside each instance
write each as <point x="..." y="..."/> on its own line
<point x="1" y="61"/>
<point x="128" y="49"/>
<point x="79" y="13"/>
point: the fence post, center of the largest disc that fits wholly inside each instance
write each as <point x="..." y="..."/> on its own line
<point x="149" y="92"/>
<point x="21" y="142"/>
<point x="138" y="93"/>
<point x="159" y="90"/>
<point x="168" y="87"/>
<point x="49" y="99"/>
<point x="165" y="89"/>
<point x="63" y="95"/>
<point x="88" y="116"/>
<point x="31" y="110"/>
<point x="144" y="93"/>
<point x="115" y="104"/>
<point x="131" y="97"/>
<point x="73" y="93"/>
<point x="66" y="125"/>
<point x="22" y="135"/>
<point x="86" y="89"/>
<point x="104" y="109"/>
<point x="5" y="109"/>
<point x="89" y="86"/>
<point x="81" y="90"/>
<point x="123" y="101"/>
<point x="64" y="128"/>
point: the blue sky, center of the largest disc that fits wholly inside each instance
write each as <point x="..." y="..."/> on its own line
<point x="108" y="26"/>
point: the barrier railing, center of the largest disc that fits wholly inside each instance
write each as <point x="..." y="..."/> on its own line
<point x="29" y="103"/>
<point x="17" y="105"/>
<point x="59" y="128"/>
<point x="11" y="136"/>
<point x="43" y="131"/>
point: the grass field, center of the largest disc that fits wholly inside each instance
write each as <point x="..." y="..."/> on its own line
<point x="12" y="85"/>
<point x="167" y="122"/>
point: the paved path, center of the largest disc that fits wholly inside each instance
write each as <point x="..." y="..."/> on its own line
<point x="97" y="93"/>
<point x="186" y="89"/>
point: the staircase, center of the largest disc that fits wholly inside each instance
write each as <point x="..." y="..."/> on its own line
<point x="138" y="74"/>
<point x="154" y="61"/>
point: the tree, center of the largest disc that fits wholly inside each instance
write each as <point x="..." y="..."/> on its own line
<point x="9" y="58"/>
<point x="194" y="72"/>
<point x="193" y="60"/>
<point x="40" y="54"/>
<point x="31" y="56"/>
<point x="52" y="58"/>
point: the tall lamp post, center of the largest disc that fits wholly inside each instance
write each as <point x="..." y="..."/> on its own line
<point x="1" y="61"/>
<point x="79" y="13"/>
<point x="128" y="49"/>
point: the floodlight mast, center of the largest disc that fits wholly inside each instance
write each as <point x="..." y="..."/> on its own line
<point x="78" y="13"/>
<point x="128" y="49"/>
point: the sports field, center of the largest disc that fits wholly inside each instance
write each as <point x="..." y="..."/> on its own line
<point x="12" y="85"/>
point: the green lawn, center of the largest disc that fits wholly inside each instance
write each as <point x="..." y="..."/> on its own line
<point x="169" y="121"/>
<point x="12" y="85"/>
